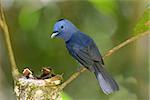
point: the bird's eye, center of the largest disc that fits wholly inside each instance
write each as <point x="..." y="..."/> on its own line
<point x="62" y="27"/>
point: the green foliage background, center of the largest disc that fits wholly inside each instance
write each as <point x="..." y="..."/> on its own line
<point x="108" y="22"/>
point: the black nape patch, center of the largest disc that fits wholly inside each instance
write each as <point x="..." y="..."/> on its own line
<point x="60" y="19"/>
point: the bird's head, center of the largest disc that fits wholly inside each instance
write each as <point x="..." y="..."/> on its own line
<point x="64" y="29"/>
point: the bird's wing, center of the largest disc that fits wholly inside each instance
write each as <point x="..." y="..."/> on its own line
<point x="87" y="55"/>
<point x="94" y="53"/>
<point x="82" y="55"/>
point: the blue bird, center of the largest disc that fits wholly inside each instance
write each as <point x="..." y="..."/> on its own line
<point x="84" y="50"/>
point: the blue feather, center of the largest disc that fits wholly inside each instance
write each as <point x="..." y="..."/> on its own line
<point x="82" y="48"/>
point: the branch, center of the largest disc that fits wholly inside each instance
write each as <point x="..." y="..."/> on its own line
<point x="109" y="53"/>
<point x="73" y="77"/>
<point x="4" y="27"/>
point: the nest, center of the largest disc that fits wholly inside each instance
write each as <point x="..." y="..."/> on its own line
<point x="45" y="87"/>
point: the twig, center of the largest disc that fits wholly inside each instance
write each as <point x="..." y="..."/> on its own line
<point x="15" y="72"/>
<point x="4" y="27"/>
<point x="73" y="77"/>
<point x="109" y="53"/>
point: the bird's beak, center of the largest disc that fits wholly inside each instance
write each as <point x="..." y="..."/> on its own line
<point x="54" y="34"/>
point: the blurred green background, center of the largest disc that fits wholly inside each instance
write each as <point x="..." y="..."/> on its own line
<point x="108" y="22"/>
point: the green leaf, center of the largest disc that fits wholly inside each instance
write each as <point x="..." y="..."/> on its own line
<point x="144" y="23"/>
<point x="28" y="18"/>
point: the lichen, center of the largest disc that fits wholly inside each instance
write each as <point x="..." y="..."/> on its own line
<point x="38" y="89"/>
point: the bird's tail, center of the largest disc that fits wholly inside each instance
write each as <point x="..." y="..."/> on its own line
<point x="106" y="82"/>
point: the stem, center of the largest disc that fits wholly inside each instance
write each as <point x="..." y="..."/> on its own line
<point x="4" y="27"/>
<point x="109" y="53"/>
<point x="73" y="77"/>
